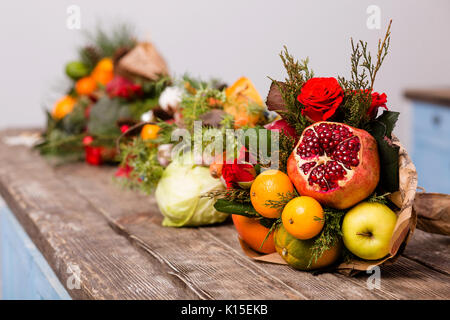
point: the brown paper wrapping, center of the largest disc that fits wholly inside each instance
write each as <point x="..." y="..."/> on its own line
<point x="144" y="61"/>
<point x="406" y="221"/>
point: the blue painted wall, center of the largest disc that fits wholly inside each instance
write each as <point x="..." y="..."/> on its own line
<point x="431" y="146"/>
<point x="25" y="273"/>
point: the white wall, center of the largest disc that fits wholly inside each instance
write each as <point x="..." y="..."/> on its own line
<point x="226" y="39"/>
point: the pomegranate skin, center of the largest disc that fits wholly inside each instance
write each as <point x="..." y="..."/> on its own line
<point x="357" y="185"/>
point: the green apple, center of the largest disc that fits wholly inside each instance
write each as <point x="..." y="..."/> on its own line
<point x="367" y="230"/>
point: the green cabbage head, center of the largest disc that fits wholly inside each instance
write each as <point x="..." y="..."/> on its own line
<point x="178" y="195"/>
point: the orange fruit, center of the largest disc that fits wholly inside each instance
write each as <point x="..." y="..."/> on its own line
<point x="297" y="253"/>
<point x="270" y="185"/>
<point x="103" y="71"/>
<point x="253" y="233"/>
<point x="240" y="96"/>
<point x="150" y="131"/>
<point x="105" y="64"/>
<point x="303" y="217"/>
<point x="102" y="77"/>
<point x="86" y="86"/>
<point x="63" y="107"/>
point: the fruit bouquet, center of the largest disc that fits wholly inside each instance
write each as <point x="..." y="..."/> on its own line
<point x="338" y="190"/>
<point x="157" y="154"/>
<point x="115" y="80"/>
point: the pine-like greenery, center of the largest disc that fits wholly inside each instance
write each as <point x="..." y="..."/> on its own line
<point x="297" y="74"/>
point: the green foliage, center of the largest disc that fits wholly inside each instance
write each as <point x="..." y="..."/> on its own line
<point x="63" y="137"/>
<point x="233" y="207"/>
<point x="284" y="199"/>
<point x="104" y="116"/>
<point x="381" y="129"/>
<point x="230" y="195"/>
<point x="374" y="198"/>
<point x="147" y="171"/>
<point x="358" y="90"/>
<point x="330" y="235"/>
<point x="193" y="106"/>
<point x="297" y="74"/>
<point x="108" y="42"/>
<point x="354" y="108"/>
<point x="153" y="88"/>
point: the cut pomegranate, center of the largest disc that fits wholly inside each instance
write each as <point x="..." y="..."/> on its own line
<point x="336" y="164"/>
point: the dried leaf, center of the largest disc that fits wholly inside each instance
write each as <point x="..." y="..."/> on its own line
<point x="274" y="99"/>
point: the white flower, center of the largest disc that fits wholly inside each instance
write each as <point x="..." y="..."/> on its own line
<point x="170" y="98"/>
<point x="147" y="116"/>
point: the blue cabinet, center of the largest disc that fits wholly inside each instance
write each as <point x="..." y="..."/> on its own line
<point x="25" y="272"/>
<point x="431" y="145"/>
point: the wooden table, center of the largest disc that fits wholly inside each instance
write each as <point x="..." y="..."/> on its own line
<point x="76" y="214"/>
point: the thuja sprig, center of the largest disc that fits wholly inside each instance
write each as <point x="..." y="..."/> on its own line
<point x="361" y="57"/>
<point x="234" y="195"/>
<point x="330" y="235"/>
<point x="298" y="72"/>
<point x="381" y="54"/>
<point x="374" y="198"/>
<point x="284" y="199"/>
<point x="147" y="171"/>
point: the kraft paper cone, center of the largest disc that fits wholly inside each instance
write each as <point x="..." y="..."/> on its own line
<point x="406" y="221"/>
<point x="145" y="61"/>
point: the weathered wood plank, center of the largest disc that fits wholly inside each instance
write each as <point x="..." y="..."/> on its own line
<point x="76" y="214"/>
<point x="68" y="230"/>
<point x="141" y="216"/>
<point x="405" y="279"/>
<point x="194" y="255"/>
<point x="431" y="250"/>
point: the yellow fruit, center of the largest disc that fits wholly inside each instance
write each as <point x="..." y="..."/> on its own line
<point x="244" y="103"/>
<point x="149" y="132"/>
<point x="270" y="185"/>
<point x="303" y="217"/>
<point x="63" y="107"/>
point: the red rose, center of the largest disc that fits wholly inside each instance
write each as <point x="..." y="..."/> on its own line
<point x="238" y="174"/>
<point x="378" y="100"/>
<point x="320" y="98"/>
<point x="123" y="88"/>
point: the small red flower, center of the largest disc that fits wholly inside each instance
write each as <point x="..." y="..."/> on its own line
<point x="124" y="171"/>
<point x="238" y="174"/>
<point x="123" y="88"/>
<point x="124" y="128"/>
<point x="93" y="155"/>
<point x="320" y="97"/>
<point x="87" y="140"/>
<point x="378" y="100"/>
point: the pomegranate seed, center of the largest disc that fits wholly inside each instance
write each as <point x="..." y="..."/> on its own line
<point x="335" y="142"/>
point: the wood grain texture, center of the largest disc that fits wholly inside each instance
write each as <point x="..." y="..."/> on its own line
<point x="68" y="229"/>
<point x="207" y="249"/>
<point x="77" y="214"/>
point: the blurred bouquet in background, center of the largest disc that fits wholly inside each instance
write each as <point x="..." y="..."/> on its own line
<point x="114" y="81"/>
